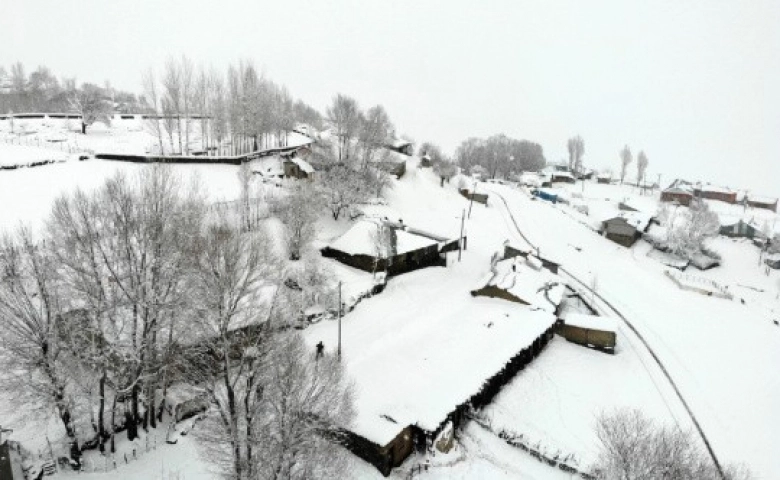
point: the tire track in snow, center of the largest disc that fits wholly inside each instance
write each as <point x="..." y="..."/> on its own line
<point x="635" y="332"/>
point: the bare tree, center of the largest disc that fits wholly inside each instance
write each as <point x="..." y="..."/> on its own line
<point x="341" y="187"/>
<point x="576" y="148"/>
<point x="305" y="404"/>
<point x="344" y="118"/>
<point x="172" y="102"/>
<point x="625" y="160"/>
<point x="91" y="103"/>
<point x="153" y="99"/>
<point x="375" y="128"/>
<point x="635" y="448"/>
<point x="31" y="305"/>
<point x="298" y="213"/>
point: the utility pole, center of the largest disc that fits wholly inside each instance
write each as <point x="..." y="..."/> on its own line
<point x="339" y="347"/>
<point x="471" y="202"/>
<point x="460" y="242"/>
<point x="4" y="430"/>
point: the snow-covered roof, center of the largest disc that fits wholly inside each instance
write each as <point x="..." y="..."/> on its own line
<point x="303" y="165"/>
<point x="399" y="143"/>
<point x="592" y="322"/>
<point x="562" y="174"/>
<point x="605" y="176"/>
<point x="707" y="187"/>
<point x="362" y="239"/>
<point x="638" y="220"/>
<point x="680" y="190"/>
<point x="537" y="287"/>
<point x="762" y="199"/>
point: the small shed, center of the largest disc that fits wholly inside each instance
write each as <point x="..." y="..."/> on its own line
<point x="512" y="251"/>
<point x="545" y="195"/>
<point x="773" y="260"/>
<point x="626" y="228"/>
<point x="590" y="331"/>
<point x="295" y="167"/>
<point x="477" y="197"/>
<point x="425" y="160"/>
<point x="605" y="179"/>
<point x="401" y="146"/>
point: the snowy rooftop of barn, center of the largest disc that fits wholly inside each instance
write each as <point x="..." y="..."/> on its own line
<point x="416" y="369"/>
<point x="638" y="220"/>
<point x="592" y="322"/>
<point x="528" y="281"/>
<point x="762" y="199"/>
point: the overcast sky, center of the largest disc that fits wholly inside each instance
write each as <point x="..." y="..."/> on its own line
<point x="694" y="84"/>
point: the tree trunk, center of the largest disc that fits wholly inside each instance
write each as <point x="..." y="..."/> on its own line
<point x="101" y="413"/>
<point x="83" y="128"/>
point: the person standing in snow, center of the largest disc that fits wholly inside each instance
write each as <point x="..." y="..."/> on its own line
<point x="320" y="350"/>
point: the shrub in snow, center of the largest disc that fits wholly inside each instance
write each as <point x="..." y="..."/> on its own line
<point x="687" y="230"/>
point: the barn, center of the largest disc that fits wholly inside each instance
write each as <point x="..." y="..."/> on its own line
<point x="374" y="245"/>
<point x="590" y="331"/>
<point x="511" y="251"/>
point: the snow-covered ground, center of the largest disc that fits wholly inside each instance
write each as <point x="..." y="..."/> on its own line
<point x="722" y="354"/>
<point x="21" y="155"/>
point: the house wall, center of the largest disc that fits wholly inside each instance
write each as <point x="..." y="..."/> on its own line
<point x="494" y="292"/>
<point x="588" y="337"/>
<point x="396" y="265"/>
<point x="681" y="198"/>
<point x="767" y="206"/>
<point x="728" y="197"/>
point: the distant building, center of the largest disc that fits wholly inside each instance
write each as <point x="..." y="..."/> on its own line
<point x="402" y="146"/>
<point x="677" y="195"/>
<point x="511" y="251"/>
<point x="425" y="160"/>
<point x="604" y="178"/>
<point x="295" y="167"/>
<point x="477" y="197"/>
<point x="561" y="177"/>
<point x="738" y="228"/>
<point x="768" y="203"/>
<point x="712" y="192"/>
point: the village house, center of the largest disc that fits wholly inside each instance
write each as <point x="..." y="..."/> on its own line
<point x="590" y="331"/>
<point x="739" y="228"/>
<point x="768" y="203"/>
<point x="712" y="192"/>
<point x="604" y="178"/>
<point x="374" y="245"/>
<point x="525" y="281"/>
<point x="677" y="195"/>
<point x="625" y="228"/>
<point x="425" y="160"/>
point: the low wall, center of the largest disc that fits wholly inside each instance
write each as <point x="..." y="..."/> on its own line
<point x="699" y="285"/>
<point x="226" y="160"/>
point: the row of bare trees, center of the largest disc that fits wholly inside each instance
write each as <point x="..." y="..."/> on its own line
<point x="138" y="286"/>
<point x="626" y="158"/>
<point x="205" y="110"/>
<point x="500" y="155"/>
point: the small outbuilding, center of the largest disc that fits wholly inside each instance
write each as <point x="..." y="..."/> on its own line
<point x="713" y="192"/>
<point x="590" y="331"/>
<point x="401" y="146"/>
<point x="545" y="195"/>
<point x="604" y="178"/>
<point x="477" y="197"/>
<point x="425" y="160"/>
<point x="295" y="167"/>
<point x="626" y="228"/>
<point x="511" y="251"/>
<point x="739" y="228"/>
<point x="561" y="177"/>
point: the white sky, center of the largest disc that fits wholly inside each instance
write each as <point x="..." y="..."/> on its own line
<point x="694" y="83"/>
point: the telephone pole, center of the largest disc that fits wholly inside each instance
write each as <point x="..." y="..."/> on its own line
<point x="339" y="347"/>
<point x="460" y="243"/>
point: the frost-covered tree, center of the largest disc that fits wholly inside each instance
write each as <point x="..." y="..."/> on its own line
<point x="344" y="118"/>
<point x="92" y="104"/>
<point x="634" y="448"/>
<point x="342" y="187"/>
<point x="445" y="170"/>
<point x="298" y="212"/>
<point x="641" y="166"/>
<point x="576" y="149"/>
<point x="34" y="365"/>
<point x="374" y="131"/>
<point x="687" y="232"/>
<point x="625" y="160"/>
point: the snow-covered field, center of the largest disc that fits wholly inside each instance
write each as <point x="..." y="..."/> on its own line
<point x="19" y="155"/>
<point x="723" y="354"/>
